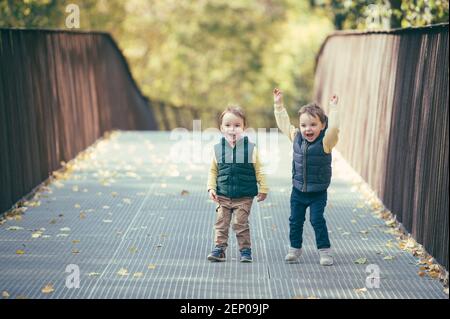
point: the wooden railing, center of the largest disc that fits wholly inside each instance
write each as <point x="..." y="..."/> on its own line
<point x="393" y="89"/>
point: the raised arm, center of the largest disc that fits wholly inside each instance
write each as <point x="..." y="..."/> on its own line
<point x="281" y="116"/>
<point x="332" y="134"/>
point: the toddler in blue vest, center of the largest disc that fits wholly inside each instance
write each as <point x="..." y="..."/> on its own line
<point x="311" y="172"/>
<point x="233" y="182"/>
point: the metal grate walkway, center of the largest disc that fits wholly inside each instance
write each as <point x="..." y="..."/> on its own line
<point x="123" y="220"/>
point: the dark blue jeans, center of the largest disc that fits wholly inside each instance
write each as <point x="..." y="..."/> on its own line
<point x="316" y="202"/>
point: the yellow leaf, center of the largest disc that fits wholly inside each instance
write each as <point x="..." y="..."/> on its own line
<point x="151" y="266"/>
<point x="361" y="290"/>
<point x="433" y="274"/>
<point x="48" y="289"/>
<point x="82" y="216"/>
<point x="20" y="252"/>
<point x="77" y="206"/>
<point x="92" y="274"/>
<point x="123" y="272"/>
<point x="36" y="234"/>
<point x="5" y="294"/>
<point x="361" y="261"/>
<point x="14" y="228"/>
<point x="390" y="223"/>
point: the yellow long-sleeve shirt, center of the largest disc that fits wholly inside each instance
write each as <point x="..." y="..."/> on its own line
<point x="260" y="176"/>
<point x="331" y="135"/>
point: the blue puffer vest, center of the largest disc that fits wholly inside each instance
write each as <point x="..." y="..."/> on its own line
<point x="236" y="174"/>
<point x="311" y="166"/>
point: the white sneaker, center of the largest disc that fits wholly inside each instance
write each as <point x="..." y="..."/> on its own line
<point x="293" y="255"/>
<point x="326" y="257"/>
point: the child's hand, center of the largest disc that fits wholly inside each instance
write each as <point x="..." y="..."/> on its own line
<point x="334" y="100"/>
<point x="213" y="196"/>
<point x="278" y="97"/>
<point x="261" y="197"/>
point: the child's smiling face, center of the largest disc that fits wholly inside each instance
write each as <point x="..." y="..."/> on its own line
<point x="232" y="125"/>
<point x="310" y="127"/>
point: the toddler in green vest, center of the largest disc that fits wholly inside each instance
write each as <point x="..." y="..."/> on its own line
<point x="233" y="182"/>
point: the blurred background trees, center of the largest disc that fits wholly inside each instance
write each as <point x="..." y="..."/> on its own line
<point x="208" y="54"/>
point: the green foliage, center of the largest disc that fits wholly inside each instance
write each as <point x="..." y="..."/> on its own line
<point x="377" y="14"/>
<point x="205" y="54"/>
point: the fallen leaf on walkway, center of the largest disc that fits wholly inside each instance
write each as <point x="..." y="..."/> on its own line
<point x="361" y="261"/>
<point x="184" y="192"/>
<point x="48" y="289"/>
<point x="75" y="251"/>
<point x="138" y="274"/>
<point x="20" y="252"/>
<point x="32" y="203"/>
<point x="14" y="228"/>
<point x="151" y="266"/>
<point x="353" y="221"/>
<point x="105" y="207"/>
<point x="434" y="274"/>
<point x="364" y="232"/>
<point x="107" y="221"/>
<point x="5" y="294"/>
<point x="446" y="290"/>
<point x="58" y="184"/>
<point x="53" y="221"/>
<point x="390" y="223"/>
<point x="75" y="241"/>
<point x="389" y="257"/>
<point x="114" y="194"/>
<point x="92" y="274"/>
<point x="126" y="200"/>
<point x="421" y="273"/>
<point x="133" y="250"/>
<point x="36" y="234"/>
<point x="345" y="233"/>
<point x="123" y="272"/>
<point x="77" y="206"/>
<point x="65" y="229"/>
<point x="82" y="215"/>
<point x="361" y="290"/>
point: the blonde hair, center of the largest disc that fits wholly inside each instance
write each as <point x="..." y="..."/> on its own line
<point x="236" y="110"/>
<point x="313" y="109"/>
